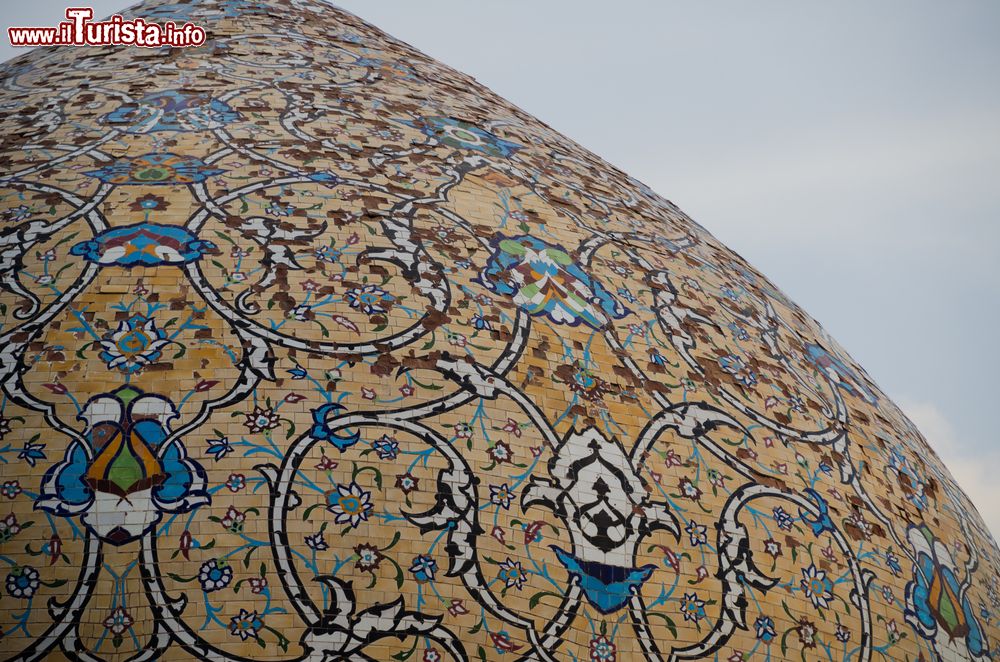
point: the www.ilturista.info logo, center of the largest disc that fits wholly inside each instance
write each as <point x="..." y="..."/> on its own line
<point x="79" y="30"/>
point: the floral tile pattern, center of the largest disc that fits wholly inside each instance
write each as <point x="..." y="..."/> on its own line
<point x="315" y="349"/>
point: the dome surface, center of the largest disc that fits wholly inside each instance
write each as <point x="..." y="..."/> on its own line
<point x="316" y="349"/>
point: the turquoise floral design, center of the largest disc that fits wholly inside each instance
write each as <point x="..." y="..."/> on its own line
<point x="937" y="603"/>
<point x="463" y="135"/>
<point x="545" y="280"/>
<point x="369" y="299"/>
<point x="838" y="372"/>
<point x="135" y="344"/>
<point x="350" y="504"/>
<point x="143" y="245"/>
<point x="125" y="477"/>
<point x="155" y="169"/>
<point x="140" y="339"/>
<point x="172" y="110"/>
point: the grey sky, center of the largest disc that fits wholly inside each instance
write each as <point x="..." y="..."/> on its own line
<point x="849" y="150"/>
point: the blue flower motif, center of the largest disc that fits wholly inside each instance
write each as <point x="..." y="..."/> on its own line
<point x="692" y="607"/>
<point x="386" y="447"/>
<point x="697" y="533"/>
<point x="215" y="575"/>
<point x="480" y="323"/>
<point x="246" y="625"/>
<point x="317" y="542"/>
<point x="298" y="372"/>
<point x="278" y="209"/>
<point x="136" y="343"/>
<point x="423" y="568"/>
<point x="501" y="495"/>
<point x="350" y="503"/>
<point x="782" y="519"/>
<point x="764" y="625"/>
<point x="219" y="448"/>
<point x="512" y="574"/>
<point x="22" y="582"/>
<point x="892" y="561"/>
<point x="816" y="586"/>
<point x="626" y="294"/>
<point x="369" y="299"/>
<point x="31" y="453"/>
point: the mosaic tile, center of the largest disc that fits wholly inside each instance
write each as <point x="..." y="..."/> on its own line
<point x="314" y="348"/>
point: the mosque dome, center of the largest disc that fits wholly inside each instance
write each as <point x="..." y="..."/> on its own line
<point x="314" y="348"/>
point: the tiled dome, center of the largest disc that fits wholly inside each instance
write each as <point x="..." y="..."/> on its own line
<point x="315" y="349"/>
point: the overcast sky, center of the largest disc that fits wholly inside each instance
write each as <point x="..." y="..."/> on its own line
<point x="850" y="150"/>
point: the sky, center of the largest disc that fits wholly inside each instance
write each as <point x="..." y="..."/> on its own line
<point x="849" y="150"/>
